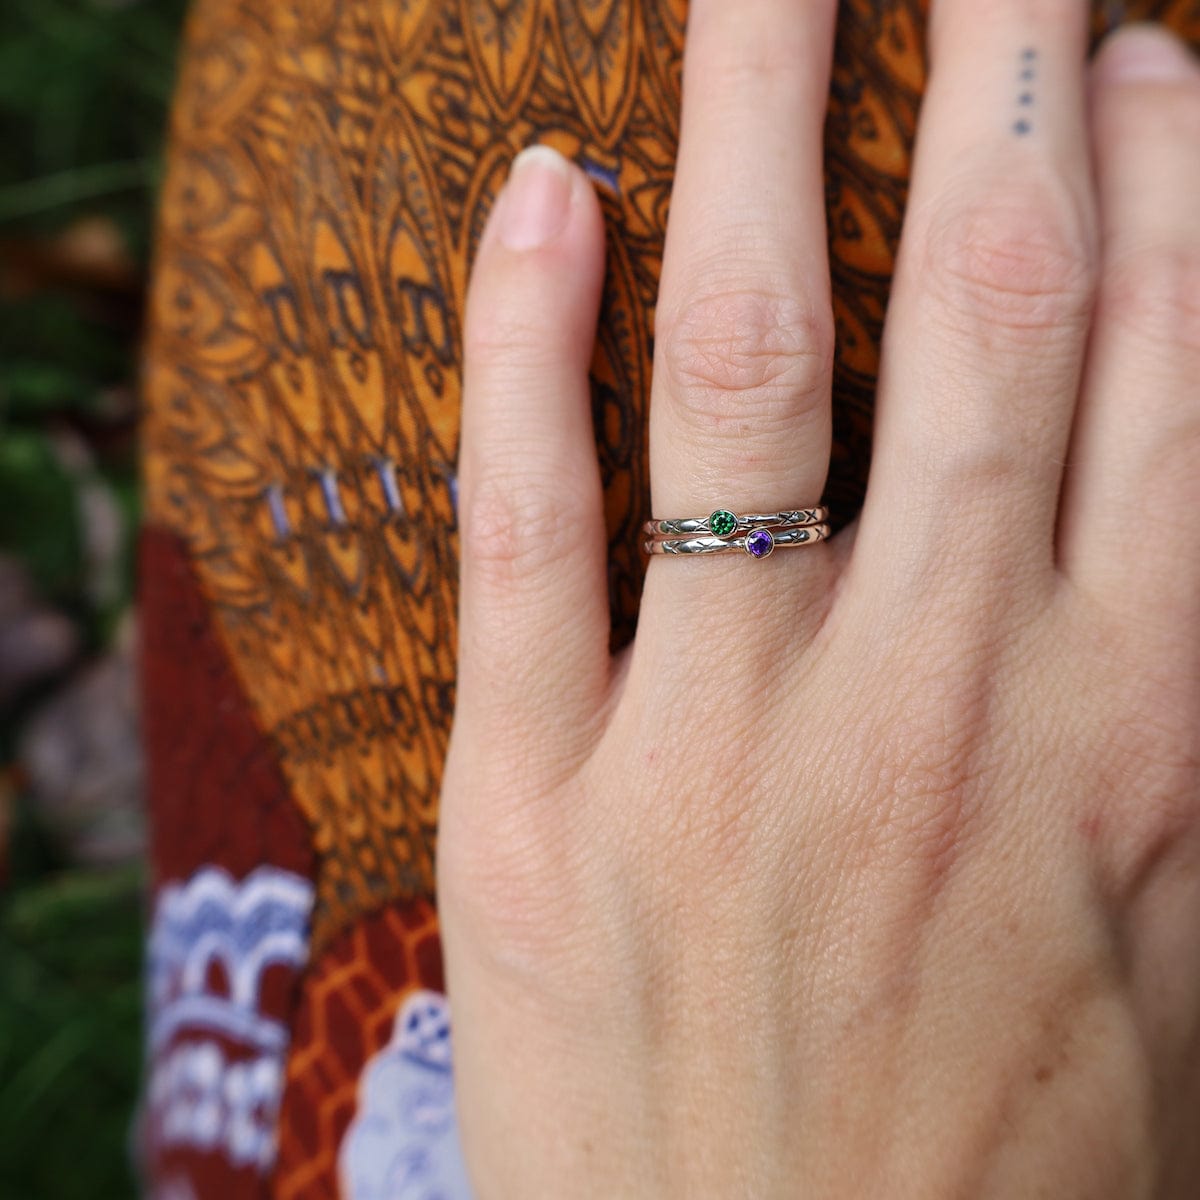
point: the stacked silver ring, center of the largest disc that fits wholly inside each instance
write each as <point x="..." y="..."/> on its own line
<point x="756" y="534"/>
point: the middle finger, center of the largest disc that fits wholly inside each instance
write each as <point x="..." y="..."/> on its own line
<point x="988" y="317"/>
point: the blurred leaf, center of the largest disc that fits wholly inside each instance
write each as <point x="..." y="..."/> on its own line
<point x="84" y="89"/>
<point x="32" y="197"/>
<point x="29" y="388"/>
<point x="49" y="329"/>
<point x="70" y="1034"/>
<point x="39" y="513"/>
<point x="125" y="488"/>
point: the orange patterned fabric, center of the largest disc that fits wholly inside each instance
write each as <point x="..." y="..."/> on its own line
<point x="331" y="166"/>
<point x="345" y="1018"/>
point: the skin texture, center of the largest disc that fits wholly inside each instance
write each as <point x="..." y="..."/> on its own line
<point x="872" y="869"/>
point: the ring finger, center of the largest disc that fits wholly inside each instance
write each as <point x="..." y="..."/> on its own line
<point x="1138" y="428"/>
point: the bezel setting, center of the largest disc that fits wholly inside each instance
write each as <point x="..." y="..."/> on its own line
<point x="722" y="523"/>
<point x="760" y="543"/>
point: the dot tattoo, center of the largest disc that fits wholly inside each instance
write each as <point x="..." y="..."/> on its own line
<point x="1023" y="123"/>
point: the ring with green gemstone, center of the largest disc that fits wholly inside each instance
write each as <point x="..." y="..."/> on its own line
<point x="724" y="523"/>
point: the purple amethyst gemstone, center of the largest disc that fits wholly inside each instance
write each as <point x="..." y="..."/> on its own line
<point x="760" y="543"/>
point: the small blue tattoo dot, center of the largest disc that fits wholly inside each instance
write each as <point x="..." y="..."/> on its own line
<point x="1026" y="98"/>
<point x="1022" y="126"/>
<point x="1029" y="54"/>
<point x="1027" y="74"/>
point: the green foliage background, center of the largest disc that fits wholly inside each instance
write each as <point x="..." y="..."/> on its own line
<point x="84" y="90"/>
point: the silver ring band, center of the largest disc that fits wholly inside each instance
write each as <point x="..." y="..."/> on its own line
<point x="723" y="523"/>
<point x="758" y="543"/>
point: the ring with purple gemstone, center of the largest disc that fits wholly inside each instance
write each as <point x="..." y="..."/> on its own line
<point x="758" y="543"/>
<point x="723" y="523"/>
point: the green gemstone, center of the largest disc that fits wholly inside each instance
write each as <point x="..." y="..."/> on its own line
<point x="722" y="522"/>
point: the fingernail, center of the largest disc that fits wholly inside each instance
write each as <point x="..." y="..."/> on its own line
<point x="1148" y="51"/>
<point x="536" y="198"/>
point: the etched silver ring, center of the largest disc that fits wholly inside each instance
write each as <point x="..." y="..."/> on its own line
<point x="758" y="543"/>
<point x="724" y="524"/>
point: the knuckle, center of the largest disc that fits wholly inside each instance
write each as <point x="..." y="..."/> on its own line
<point x="736" y="57"/>
<point x="1012" y="264"/>
<point x="736" y="66"/>
<point x="498" y="337"/>
<point x="1153" y="293"/>
<point x="507" y="525"/>
<point x="973" y="465"/>
<point x="513" y="319"/>
<point x="752" y="355"/>
<point x="1149" y="769"/>
<point x="923" y="778"/>
<point x="974" y="455"/>
<point x="1136" y="741"/>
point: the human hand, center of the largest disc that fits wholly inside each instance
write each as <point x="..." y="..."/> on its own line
<point x="872" y="869"/>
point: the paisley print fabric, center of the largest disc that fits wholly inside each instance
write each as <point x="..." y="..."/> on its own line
<point x="402" y="1143"/>
<point x="217" y="1049"/>
<point x="346" y="1021"/>
<point x="331" y="166"/>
